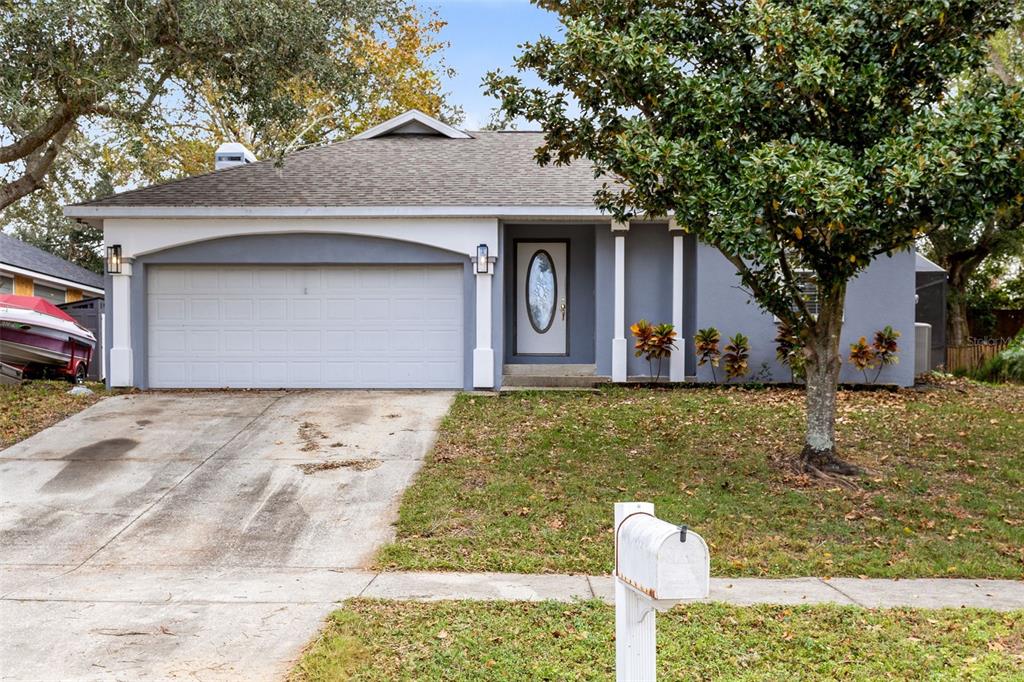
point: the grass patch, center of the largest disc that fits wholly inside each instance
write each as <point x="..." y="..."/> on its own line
<point x="525" y="482"/>
<point x="387" y="640"/>
<point x="26" y="409"/>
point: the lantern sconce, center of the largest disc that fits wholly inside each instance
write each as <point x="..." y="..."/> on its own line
<point x="114" y="259"/>
<point x="482" y="261"/>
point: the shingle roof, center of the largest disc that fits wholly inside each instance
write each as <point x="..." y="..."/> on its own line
<point x="17" y="253"/>
<point x="488" y="169"/>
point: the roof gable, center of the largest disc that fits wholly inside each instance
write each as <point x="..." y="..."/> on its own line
<point x="415" y="122"/>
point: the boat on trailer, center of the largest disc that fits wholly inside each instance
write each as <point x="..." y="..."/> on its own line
<point x="38" y="339"/>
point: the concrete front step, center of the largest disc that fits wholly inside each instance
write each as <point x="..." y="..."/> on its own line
<point x="552" y="381"/>
<point x="557" y="370"/>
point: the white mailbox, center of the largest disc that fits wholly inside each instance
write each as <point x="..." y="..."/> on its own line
<point x="657" y="565"/>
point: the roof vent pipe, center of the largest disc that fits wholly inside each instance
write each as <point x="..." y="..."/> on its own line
<point x="232" y="154"/>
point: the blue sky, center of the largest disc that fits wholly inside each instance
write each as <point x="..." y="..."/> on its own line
<point x="483" y="35"/>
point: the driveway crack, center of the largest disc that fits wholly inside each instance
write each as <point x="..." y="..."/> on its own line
<point x="174" y="487"/>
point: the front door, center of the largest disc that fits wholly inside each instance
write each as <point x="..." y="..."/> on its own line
<point x="542" y="298"/>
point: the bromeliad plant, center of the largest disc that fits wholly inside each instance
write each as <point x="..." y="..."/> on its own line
<point x="737" y="354"/>
<point x="653" y="342"/>
<point x="789" y="350"/>
<point x="706" y="342"/>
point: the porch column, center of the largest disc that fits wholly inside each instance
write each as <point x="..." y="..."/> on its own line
<point x="483" y="354"/>
<point x="677" y="361"/>
<point x="121" y="338"/>
<point x="619" y="348"/>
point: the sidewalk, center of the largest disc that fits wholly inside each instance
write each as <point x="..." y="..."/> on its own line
<point x="327" y="586"/>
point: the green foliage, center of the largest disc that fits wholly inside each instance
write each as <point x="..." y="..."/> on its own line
<point x="795" y="136"/>
<point x="653" y="342"/>
<point x="71" y="65"/>
<point x="706" y="344"/>
<point x="400" y="64"/>
<point x="736" y="356"/>
<point x="785" y="134"/>
<point x="998" y="284"/>
<point x="789" y="350"/>
<point x="1007" y="366"/>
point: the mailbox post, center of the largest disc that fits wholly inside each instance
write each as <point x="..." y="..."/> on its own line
<point x="657" y="565"/>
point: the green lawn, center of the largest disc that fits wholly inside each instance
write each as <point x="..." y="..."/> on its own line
<point x="382" y="640"/>
<point x="28" y="408"/>
<point x="525" y="482"/>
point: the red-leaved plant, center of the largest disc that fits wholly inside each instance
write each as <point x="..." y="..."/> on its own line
<point x="706" y="343"/>
<point x="653" y="342"/>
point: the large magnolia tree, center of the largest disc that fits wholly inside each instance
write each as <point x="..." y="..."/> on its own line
<point x="70" y="64"/>
<point x="791" y="135"/>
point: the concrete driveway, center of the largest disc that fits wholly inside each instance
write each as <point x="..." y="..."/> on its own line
<point x="197" y="535"/>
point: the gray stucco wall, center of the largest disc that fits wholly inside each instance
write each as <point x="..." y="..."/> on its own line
<point x="581" y="290"/>
<point x="882" y="294"/>
<point x="648" y="290"/>
<point x="648" y="285"/>
<point x="604" y="293"/>
<point x="294" y="249"/>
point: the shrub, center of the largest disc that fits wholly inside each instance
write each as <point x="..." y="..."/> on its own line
<point x="737" y="352"/>
<point x="886" y="348"/>
<point x="862" y="356"/>
<point x="706" y="342"/>
<point x="1007" y="366"/>
<point x="789" y="350"/>
<point x="653" y="342"/>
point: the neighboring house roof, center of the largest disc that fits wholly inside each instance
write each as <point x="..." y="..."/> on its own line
<point x="18" y="254"/>
<point x="394" y="169"/>
<point x="922" y="264"/>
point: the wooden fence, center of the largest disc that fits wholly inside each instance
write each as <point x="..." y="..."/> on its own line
<point x="972" y="356"/>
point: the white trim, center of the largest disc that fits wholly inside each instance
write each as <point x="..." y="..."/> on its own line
<point x="619" y="355"/>
<point x="677" y="361"/>
<point x="413" y="115"/>
<point x="142" y="236"/>
<point x="121" y="368"/>
<point x="45" y="279"/>
<point x="483" y="354"/>
<point x="333" y="212"/>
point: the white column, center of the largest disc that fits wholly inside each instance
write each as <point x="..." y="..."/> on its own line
<point x="635" y="634"/>
<point x="483" y="354"/>
<point x="677" y="361"/>
<point x="121" y="342"/>
<point x="619" y="348"/>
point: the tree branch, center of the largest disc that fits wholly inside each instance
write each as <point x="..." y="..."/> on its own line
<point x="38" y="137"/>
<point x="36" y="168"/>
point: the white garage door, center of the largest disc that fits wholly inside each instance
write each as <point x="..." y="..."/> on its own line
<point x="342" y="326"/>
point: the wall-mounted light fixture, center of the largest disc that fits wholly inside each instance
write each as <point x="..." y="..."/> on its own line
<point x="482" y="262"/>
<point x="114" y="259"/>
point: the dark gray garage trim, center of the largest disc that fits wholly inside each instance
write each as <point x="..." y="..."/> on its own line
<point x="294" y="249"/>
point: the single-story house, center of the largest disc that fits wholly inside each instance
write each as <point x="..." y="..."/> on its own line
<point x="417" y="255"/>
<point x="26" y="270"/>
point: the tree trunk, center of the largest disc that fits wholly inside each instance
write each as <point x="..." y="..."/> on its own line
<point x="822" y="378"/>
<point x="957" y="331"/>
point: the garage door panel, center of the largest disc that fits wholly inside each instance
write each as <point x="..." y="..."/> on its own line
<point x="309" y="326"/>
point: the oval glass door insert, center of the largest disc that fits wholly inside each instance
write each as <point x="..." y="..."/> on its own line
<point x="541" y="290"/>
